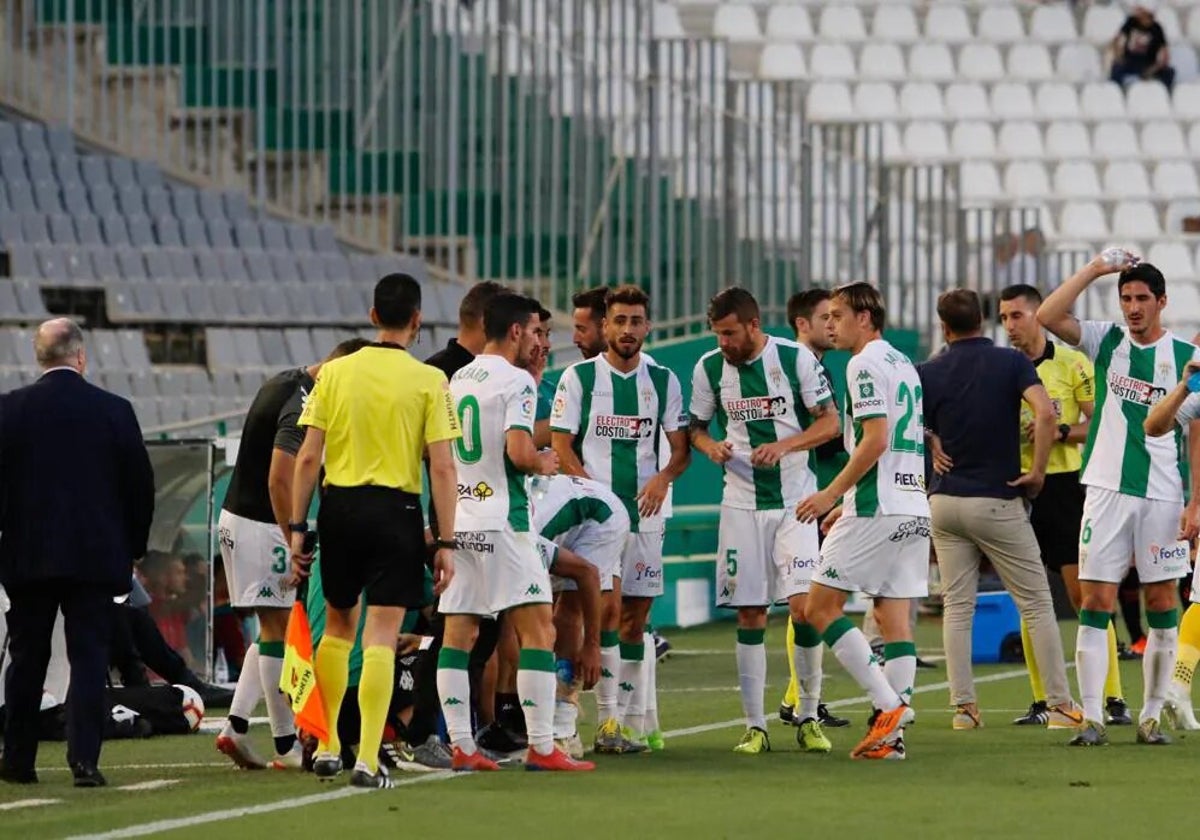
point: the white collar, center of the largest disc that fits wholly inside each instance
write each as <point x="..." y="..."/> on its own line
<point x="60" y="367"/>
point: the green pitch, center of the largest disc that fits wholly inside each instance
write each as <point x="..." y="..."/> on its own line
<point x="1001" y="781"/>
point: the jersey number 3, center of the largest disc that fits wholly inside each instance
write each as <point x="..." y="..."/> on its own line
<point x="905" y="438"/>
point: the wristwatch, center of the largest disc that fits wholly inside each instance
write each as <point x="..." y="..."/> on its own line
<point x="450" y="544"/>
<point x="1064" y="431"/>
<point x="298" y="527"/>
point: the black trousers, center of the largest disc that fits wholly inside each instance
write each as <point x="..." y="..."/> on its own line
<point x="137" y="643"/>
<point x="87" y="611"/>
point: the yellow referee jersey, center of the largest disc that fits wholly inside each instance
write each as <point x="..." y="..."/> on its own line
<point x="1069" y="380"/>
<point x="379" y="408"/>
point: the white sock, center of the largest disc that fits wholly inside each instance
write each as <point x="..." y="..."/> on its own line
<point x="606" y="688"/>
<point x="852" y="651"/>
<point x="565" y="716"/>
<point x="279" y="710"/>
<point x="752" y="675"/>
<point x="535" y="686"/>
<point x="454" y="689"/>
<point x="249" y="689"/>
<point x="900" y="668"/>
<point x="809" y="674"/>
<point x="630" y="673"/>
<point x="650" y="675"/>
<point x="1091" y="667"/>
<point x="1157" y="664"/>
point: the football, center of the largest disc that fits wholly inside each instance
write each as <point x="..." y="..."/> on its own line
<point x="192" y="706"/>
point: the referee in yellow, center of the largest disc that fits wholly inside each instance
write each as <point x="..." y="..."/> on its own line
<point x="372" y="415"/>
<point x="1057" y="511"/>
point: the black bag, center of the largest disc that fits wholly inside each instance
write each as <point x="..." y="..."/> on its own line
<point x="161" y="706"/>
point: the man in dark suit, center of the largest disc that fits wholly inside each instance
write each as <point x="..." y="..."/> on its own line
<point x="76" y="500"/>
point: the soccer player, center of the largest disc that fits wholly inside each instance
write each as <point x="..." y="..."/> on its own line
<point x="1134" y="496"/>
<point x="605" y="424"/>
<point x="545" y="394"/>
<point x="772" y="401"/>
<point x="1057" y="511"/>
<point x="877" y="542"/>
<point x="808" y="314"/>
<point x="588" y="321"/>
<point x="253" y="534"/>
<point x="498" y="565"/>
<point x="1182" y="407"/>
<point x="370" y="417"/>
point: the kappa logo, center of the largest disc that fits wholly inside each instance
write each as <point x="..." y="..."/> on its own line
<point x="266" y="592"/>
<point x="832" y="574"/>
<point x="626" y="686"/>
<point x="533" y="589"/>
<point x="604" y="672"/>
<point x="528" y="704"/>
<point x="452" y="701"/>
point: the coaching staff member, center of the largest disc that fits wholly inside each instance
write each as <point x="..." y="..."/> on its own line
<point x="76" y="500"/>
<point x="972" y="401"/>
<point x="373" y="414"/>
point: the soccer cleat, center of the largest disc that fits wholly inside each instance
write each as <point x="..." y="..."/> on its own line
<point x="787" y="714"/>
<point x="293" y="759"/>
<point x="610" y="739"/>
<point x="468" y="762"/>
<point x="754" y="742"/>
<point x="1149" y="732"/>
<point x="828" y="719"/>
<point x="1178" y="710"/>
<point x="238" y="748"/>
<point x="927" y="665"/>
<point x="886" y="727"/>
<point x="1138" y="648"/>
<point x="1038" y="715"/>
<point x="662" y="648"/>
<point x="327" y="766"/>
<point x="966" y="716"/>
<point x="501" y="739"/>
<point x="1065" y="716"/>
<point x="634" y="741"/>
<point x="1091" y="734"/>
<point x="364" y="778"/>
<point x="556" y="759"/>
<point x="1116" y="712"/>
<point x="887" y="752"/>
<point x="655" y="741"/>
<point x="572" y="746"/>
<point x="811" y="738"/>
<point x="424" y="758"/>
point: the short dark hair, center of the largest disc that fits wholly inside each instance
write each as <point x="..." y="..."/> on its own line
<point x="803" y="304"/>
<point x="630" y="295"/>
<point x="863" y="297"/>
<point x="506" y="309"/>
<point x="397" y="300"/>
<point x="545" y="314"/>
<point x="1144" y="273"/>
<point x="593" y="299"/>
<point x="345" y="348"/>
<point x="960" y="310"/>
<point x="475" y="302"/>
<point x="733" y="301"/>
<point x="1021" y="290"/>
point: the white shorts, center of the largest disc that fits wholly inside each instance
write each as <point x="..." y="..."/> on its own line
<point x="642" y="565"/>
<point x="763" y="556"/>
<point x="1119" y="531"/>
<point x="880" y="556"/>
<point x="257" y="560"/>
<point x="495" y="571"/>
<point x="598" y="544"/>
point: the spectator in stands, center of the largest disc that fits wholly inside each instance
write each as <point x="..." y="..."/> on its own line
<point x="1139" y="50"/>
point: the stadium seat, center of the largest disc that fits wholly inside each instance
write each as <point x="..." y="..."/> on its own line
<point x="1100" y="24"/>
<point x="1000" y="24"/>
<point x="1102" y="102"/>
<point x="1185" y="61"/>
<point x="1173" y="259"/>
<point x="1057" y="101"/>
<point x="875" y="101"/>
<point x="980" y="63"/>
<point x="973" y="139"/>
<point x="895" y="24"/>
<point x="931" y="63"/>
<point x="1012" y="101"/>
<point x="1052" y="25"/>
<point x="948" y="24"/>
<point x="1147" y="101"/>
<point x="828" y="101"/>
<point x="1026" y="180"/>
<point x="1083" y="220"/>
<point x="1186" y="101"/>
<point x="788" y="25"/>
<point x="1163" y="140"/>
<point x="1135" y="220"/>
<point x="1066" y="140"/>
<point x="1115" y="141"/>
<point x="1175" y="179"/>
<point x="921" y="101"/>
<point x="1177" y="211"/>
<point x="841" y="23"/>
<point x="1029" y="62"/>
<point x="1126" y="179"/>
<point x="834" y="62"/>
<point x="665" y="21"/>
<point x="979" y="181"/>
<point x="1020" y="140"/>
<point x="926" y="141"/>
<point x="1076" y="179"/>
<point x="883" y="62"/>
<point x="1078" y="63"/>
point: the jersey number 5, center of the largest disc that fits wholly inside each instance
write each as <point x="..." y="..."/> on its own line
<point x="469" y="447"/>
<point x="905" y="438"/>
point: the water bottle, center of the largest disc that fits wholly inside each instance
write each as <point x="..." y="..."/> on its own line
<point x="1118" y="257"/>
<point x="1193" y="382"/>
<point x="565" y="669"/>
<point x="221" y="672"/>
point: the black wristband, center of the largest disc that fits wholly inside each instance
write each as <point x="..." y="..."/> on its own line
<point x="450" y="544"/>
<point x="298" y="527"/>
<point x="1064" y="432"/>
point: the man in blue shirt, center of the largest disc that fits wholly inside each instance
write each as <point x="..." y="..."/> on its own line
<point x="972" y="399"/>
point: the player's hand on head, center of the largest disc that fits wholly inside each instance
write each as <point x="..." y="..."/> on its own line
<point x="547" y="462"/>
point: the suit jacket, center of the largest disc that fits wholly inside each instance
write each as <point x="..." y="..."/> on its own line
<point x="76" y="485"/>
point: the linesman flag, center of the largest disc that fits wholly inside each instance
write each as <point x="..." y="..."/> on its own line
<point x="299" y="678"/>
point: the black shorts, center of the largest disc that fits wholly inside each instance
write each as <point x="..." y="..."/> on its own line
<point x="1056" y="515"/>
<point x="372" y="541"/>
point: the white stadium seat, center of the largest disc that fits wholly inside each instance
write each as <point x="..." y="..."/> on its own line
<point x="1175" y="179"/>
<point x="1193" y="25"/>
<point x="931" y="63"/>
<point x="782" y="61"/>
<point x="1168" y="19"/>
<point x="921" y="100"/>
<point x="832" y="61"/>
<point x="737" y="24"/>
<point x="1194" y="140"/>
<point x="1115" y="141"/>
<point x="1135" y="220"/>
<point x="841" y="23"/>
<point x="1147" y="101"/>
<point x="1179" y="210"/>
<point x="829" y="101"/>
<point x="1186" y="100"/>
<point x="1078" y="63"/>
<point x="1185" y="61"/>
<point x="876" y="101"/>
<point x="980" y="63"/>
<point x="1163" y="140"/>
<point x="1053" y="25"/>
<point x="1082" y="220"/>
<point x="967" y="101"/>
<point x="882" y="61"/>
<point x="1057" y="101"/>
<point x="1020" y="140"/>
<point x="948" y="24"/>
<point x="973" y="139"/>
<point x="1102" y="101"/>
<point x="1174" y="260"/>
<point x="1000" y="24"/>
<point x="1067" y="140"/>
<point x="666" y="22"/>
<point x="1100" y="24"/>
<point x="789" y="24"/>
<point x="1076" y="179"/>
<point x="979" y="181"/>
<point x="1127" y="179"/>
<point x="1026" y="180"/>
<point x="1030" y="62"/>
<point x="926" y="141"/>
<point x="896" y="24"/>
<point x="1012" y="101"/>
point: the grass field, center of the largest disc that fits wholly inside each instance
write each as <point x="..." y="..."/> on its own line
<point x="1001" y="781"/>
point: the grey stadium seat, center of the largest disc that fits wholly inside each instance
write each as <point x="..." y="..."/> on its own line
<point x="158" y="203"/>
<point x="87" y="230"/>
<point x="46" y="198"/>
<point x="362" y="269"/>
<point x="259" y="269"/>
<point x="31" y="135"/>
<point x="144" y="383"/>
<point x="147" y="174"/>
<point x="284" y="267"/>
<point x="299" y="238"/>
<point x="250" y="302"/>
<point x="183" y="265"/>
<point x="300" y="346"/>
<point x="10" y="309"/>
<point x="273" y="236"/>
<point x="104" y="350"/>
<point x="325" y="240"/>
<point x="274" y="348"/>
<point x="94" y="170"/>
<point x="225" y="383"/>
<point x="195" y="234"/>
<point x="158" y="264"/>
<point x="250" y="381"/>
<point x="79" y="267"/>
<point x="170" y="410"/>
<point x="324" y="339"/>
<point x="120" y="172"/>
<point x="29" y="298"/>
<point x="248" y="348"/>
<point x="225" y="303"/>
<point x="276" y="305"/>
<point x="60" y="140"/>
<point x="103" y="200"/>
<point x="149" y="300"/>
<point x="104" y="265"/>
<point x="146" y="409"/>
<point x="248" y="235"/>
<point x="174" y="304"/>
<point x="11" y="230"/>
<point x="233" y="265"/>
<point x="337" y="268"/>
<point x="326" y="308"/>
<point x="52" y="266"/>
<point x="34" y="229"/>
<point x="141" y="232"/>
<point x="62" y="229"/>
<point x="75" y="201"/>
<point x="118" y="382"/>
<point x="119" y="303"/>
<point x="20" y="195"/>
<point x="312" y="269"/>
<point x="22" y="262"/>
<point x="133" y="349"/>
<point x="221" y="350"/>
<point x="208" y="266"/>
<point x="115" y="229"/>
<point x="199" y="302"/>
<point x="219" y="233"/>
<point x="183" y="200"/>
<point x="237" y="206"/>
<point x="131" y="263"/>
<point x="66" y="170"/>
<point x="131" y="199"/>
<point x="209" y="206"/>
<point x="300" y="301"/>
<point x="166" y="230"/>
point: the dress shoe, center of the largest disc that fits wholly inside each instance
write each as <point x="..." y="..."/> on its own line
<point x="17" y="777"/>
<point x="87" y="777"/>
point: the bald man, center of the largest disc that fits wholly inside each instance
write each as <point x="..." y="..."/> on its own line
<point x="76" y="500"/>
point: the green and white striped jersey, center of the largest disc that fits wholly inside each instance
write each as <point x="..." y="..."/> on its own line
<point x="491" y="397"/>
<point x="882" y="382"/>
<point x="616" y="419"/>
<point x="1130" y="378"/>
<point x="568" y="501"/>
<point x="762" y="401"/>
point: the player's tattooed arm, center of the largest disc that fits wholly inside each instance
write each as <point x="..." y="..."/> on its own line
<point x="716" y="451"/>
<point x="824" y="427"/>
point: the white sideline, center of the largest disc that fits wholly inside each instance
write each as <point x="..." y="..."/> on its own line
<point x="343" y="792"/>
<point x="152" y="784"/>
<point x="26" y="803"/>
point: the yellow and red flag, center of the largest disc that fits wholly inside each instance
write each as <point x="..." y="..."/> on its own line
<point x="299" y="678"/>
